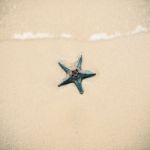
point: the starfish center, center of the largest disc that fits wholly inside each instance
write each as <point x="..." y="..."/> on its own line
<point x="75" y="73"/>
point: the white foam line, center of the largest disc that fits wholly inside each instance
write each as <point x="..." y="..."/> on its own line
<point x="104" y="36"/>
<point x="93" y="38"/>
<point x="30" y="35"/>
<point x="140" y="29"/>
<point x="39" y="35"/>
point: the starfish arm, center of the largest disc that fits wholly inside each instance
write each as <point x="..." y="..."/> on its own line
<point x="87" y="74"/>
<point x="79" y="85"/>
<point x="64" y="67"/>
<point x="79" y="62"/>
<point x="65" y="81"/>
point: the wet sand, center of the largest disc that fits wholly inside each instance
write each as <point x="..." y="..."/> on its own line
<point x="112" y="114"/>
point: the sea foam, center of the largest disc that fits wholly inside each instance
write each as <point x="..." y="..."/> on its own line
<point x="100" y="36"/>
<point x="104" y="36"/>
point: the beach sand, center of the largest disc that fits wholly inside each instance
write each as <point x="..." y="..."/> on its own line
<point x="114" y="111"/>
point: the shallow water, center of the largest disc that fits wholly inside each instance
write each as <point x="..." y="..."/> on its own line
<point x="79" y="20"/>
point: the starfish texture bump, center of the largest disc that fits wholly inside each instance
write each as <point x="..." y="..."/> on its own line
<point x="76" y="75"/>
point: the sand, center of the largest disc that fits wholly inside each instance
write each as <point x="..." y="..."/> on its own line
<point x="112" y="114"/>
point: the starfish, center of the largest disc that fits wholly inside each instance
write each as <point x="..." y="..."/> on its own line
<point x="76" y="75"/>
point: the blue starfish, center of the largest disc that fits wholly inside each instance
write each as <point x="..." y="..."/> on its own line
<point x="75" y="76"/>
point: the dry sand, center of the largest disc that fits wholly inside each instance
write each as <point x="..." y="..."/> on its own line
<point x="113" y="113"/>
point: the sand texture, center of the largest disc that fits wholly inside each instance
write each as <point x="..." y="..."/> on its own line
<point x="114" y="111"/>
